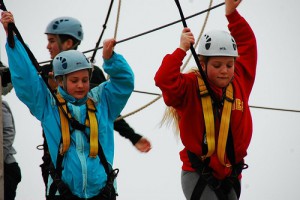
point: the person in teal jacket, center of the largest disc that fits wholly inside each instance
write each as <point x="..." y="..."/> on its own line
<point x="83" y="173"/>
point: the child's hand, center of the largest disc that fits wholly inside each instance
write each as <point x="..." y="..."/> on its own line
<point x="187" y="39"/>
<point x="231" y="5"/>
<point x="108" y="48"/>
<point x="143" y="145"/>
<point x="51" y="81"/>
<point x="6" y="18"/>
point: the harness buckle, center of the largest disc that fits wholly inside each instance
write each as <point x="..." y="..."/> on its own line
<point x="229" y="99"/>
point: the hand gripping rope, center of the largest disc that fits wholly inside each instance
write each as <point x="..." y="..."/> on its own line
<point x="12" y="29"/>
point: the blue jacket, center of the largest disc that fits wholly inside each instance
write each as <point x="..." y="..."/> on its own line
<point x="84" y="175"/>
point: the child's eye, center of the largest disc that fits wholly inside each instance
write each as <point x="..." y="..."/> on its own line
<point x="216" y="66"/>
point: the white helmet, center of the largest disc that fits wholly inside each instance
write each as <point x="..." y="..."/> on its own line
<point x="217" y="43"/>
<point x="70" y="61"/>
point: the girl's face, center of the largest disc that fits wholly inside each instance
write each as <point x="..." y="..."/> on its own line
<point x="220" y="70"/>
<point x="78" y="83"/>
<point x="54" y="47"/>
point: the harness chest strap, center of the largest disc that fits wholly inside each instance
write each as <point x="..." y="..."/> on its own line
<point x="91" y="122"/>
<point x="93" y="128"/>
<point x="208" y="117"/>
<point x="64" y="125"/>
<point x="224" y="126"/>
<point x="209" y="121"/>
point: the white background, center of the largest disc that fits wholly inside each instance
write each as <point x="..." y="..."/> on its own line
<point x="274" y="152"/>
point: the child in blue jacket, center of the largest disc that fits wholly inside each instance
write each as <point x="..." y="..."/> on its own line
<point x="81" y="169"/>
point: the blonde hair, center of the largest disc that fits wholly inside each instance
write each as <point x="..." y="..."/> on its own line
<point x="171" y="118"/>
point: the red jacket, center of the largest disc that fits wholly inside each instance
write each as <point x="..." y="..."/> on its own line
<point x="181" y="92"/>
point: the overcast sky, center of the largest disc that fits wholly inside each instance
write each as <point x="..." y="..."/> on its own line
<point x="274" y="152"/>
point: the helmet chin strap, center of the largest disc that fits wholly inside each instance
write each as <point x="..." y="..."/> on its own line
<point x="59" y="44"/>
<point x="65" y="83"/>
<point x="75" y="45"/>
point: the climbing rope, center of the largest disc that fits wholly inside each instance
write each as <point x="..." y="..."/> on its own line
<point x="147" y="32"/>
<point x="161" y="27"/>
<point x="152" y="30"/>
<point x="102" y="32"/>
<point x="159" y="95"/>
<point x="185" y="64"/>
<point x="139" y="109"/>
<point x="277" y="109"/>
<point x="117" y="20"/>
<point x="199" y="36"/>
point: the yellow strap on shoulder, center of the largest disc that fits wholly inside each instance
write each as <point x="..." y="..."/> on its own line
<point x="208" y="117"/>
<point x="91" y="122"/>
<point x="209" y="121"/>
<point x="93" y="128"/>
<point x="224" y="126"/>
<point x="64" y="124"/>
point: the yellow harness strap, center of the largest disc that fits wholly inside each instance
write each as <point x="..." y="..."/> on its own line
<point x="224" y="126"/>
<point x="93" y="128"/>
<point x="209" y="121"/>
<point x="64" y="125"/>
<point x="91" y="122"/>
<point x="208" y="117"/>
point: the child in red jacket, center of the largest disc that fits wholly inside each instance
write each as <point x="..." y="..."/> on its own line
<point x="212" y="112"/>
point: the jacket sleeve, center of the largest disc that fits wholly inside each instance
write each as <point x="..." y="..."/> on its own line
<point x="29" y="86"/>
<point x="170" y="80"/>
<point x="245" y="66"/>
<point x="120" y="84"/>
<point x="126" y="131"/>
<point x="8" y="133"/>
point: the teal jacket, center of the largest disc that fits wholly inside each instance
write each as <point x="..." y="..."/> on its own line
<point x="84" y="175"/>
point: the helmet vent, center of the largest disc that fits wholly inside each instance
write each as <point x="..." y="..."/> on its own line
<point x="63" y="61"/>
<point x="56" y="23"/>
<point x="208" y="42"/>
<point x="233" y="44"/>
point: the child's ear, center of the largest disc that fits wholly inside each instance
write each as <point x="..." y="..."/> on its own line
<point x="68" y="44"/>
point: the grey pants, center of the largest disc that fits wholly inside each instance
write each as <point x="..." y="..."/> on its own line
<point x="189" y="181"/>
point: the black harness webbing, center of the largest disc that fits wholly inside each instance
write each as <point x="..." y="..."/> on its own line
<point x="107" y="193"/>
<point x="206" y="178"/>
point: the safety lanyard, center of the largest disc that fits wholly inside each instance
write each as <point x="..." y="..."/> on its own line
<point x="91" y="122"/>
<point x="210" y="124"/>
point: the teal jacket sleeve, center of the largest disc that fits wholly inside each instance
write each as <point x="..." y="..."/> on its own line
<point x="29" y="86"/>
<point x="120" y="84"/>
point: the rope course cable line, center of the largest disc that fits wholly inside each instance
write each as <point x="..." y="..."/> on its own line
<point x="117" y="19"/>
<point x="161" y="27"/>
<point x="276" y="109"/>
<point x="159" y="95"/>
<point x="255" y="107"/>
<point x="152" y="30"/>
<point x="102" y="32"/>
<point x="184" y="66"/>
<point x="199" y="36"/>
